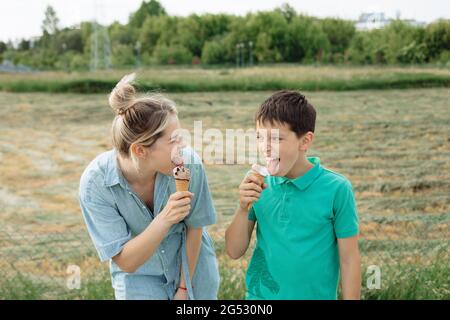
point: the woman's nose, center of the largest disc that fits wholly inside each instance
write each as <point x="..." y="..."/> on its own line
<point x="182" y="144"/>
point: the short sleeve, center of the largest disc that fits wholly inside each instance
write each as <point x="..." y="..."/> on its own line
<point x="345" y="214"/>
<point x="202" y="208"/>
<point x="251" y="214"/>
<point x="107" y="228"/>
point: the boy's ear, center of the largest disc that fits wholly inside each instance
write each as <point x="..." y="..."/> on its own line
<point x="307" y="141"/>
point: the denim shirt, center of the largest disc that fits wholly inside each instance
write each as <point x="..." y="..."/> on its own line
<point x="114" y="214"/>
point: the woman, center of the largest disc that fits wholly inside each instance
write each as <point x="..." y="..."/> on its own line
<point x="152" y="235"/>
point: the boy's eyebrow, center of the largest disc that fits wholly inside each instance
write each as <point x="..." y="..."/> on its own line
<point x="275" y="131"/>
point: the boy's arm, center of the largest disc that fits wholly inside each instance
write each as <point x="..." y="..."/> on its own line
<point x="350" y="268"/>
<point x="238" y="234"/>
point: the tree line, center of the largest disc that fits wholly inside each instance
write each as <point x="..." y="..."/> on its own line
<point x="152" y="37"/>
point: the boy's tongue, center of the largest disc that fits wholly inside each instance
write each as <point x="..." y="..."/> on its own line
<point x="273" y="165"/>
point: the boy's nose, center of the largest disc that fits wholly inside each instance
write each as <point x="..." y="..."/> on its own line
<point x="264" y="148"/>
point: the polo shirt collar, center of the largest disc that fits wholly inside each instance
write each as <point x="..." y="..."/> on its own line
<point x="304" y="181"/>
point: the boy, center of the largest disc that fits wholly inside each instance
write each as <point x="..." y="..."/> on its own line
<point x="307" y="221"/>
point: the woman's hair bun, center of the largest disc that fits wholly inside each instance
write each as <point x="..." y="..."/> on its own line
<point x="123" y="95"/>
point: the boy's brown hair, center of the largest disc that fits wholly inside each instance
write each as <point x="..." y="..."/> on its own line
<point x="290" y="107"/>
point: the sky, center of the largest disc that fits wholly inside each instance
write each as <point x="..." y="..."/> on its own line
<point x="23" y="18"/>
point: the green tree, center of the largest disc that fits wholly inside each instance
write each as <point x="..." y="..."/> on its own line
<point x="269" y="32"/>
<point x="121" y="34"/>
<point x="412" y="53"/>
<point x="174" y="54"/>
<point x="51" y="21"/>
<point x="437" y="38"/>
<point x="214" y="25"/>
<point x="215" y="52"/>
<point x="396" y="36"/>
<point x="306" y="40"/>
<point x="190" y="34"/>
<point x="123" y="55"/>
<point x="3" y="47"/>
<point x="369" y="47"/>
<point x="79" y="62"/>
<point x="24" y="45"/>
<point x="340" y="34"/>
<point x="69" y="39"/>
<point x="86" y="31"/>
<point x="147" y="9"/>
<point x="157" y="30"/>
<point x="287" y="11"/>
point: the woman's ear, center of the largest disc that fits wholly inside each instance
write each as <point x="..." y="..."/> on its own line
<point x="138" y="151"/>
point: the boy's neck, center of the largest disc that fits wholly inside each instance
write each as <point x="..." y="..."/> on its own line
<point x="300" y="168"/>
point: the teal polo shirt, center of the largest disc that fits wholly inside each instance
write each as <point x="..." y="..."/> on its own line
<point x="298" y="222"/>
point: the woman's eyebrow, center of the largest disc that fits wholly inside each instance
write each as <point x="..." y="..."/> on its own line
<point x="174" y="137"/>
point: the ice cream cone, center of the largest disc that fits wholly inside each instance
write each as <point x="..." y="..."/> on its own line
<point x="182" y="185"/>
<point x="182" y="177"/>
<point x="260" y="180"/>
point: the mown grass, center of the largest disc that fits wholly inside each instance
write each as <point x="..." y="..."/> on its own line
<point x="398" y="281"/>
<point x="21" y="287"/>
<point x="393" y="146"/>
<point x="252" y="79"/>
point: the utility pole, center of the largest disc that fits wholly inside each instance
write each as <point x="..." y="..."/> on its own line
<point x="100" y="43"/>
<point x="138" y="54"/>
<point x="250" y="54"/>
<point x="242" y="54"/>
<point x="237" y="55"/>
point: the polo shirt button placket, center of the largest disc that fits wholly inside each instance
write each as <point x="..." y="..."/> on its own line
<point x="283" y="201"/>
<point x="284" y="215"/>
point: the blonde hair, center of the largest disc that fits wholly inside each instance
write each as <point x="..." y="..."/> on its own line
<point x="139" y="120"/>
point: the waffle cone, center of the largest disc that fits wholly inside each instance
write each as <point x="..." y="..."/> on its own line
<point x="182" y="185"/>
<point x="261" y="182"/>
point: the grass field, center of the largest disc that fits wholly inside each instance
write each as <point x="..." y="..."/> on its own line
<point x="393" y="145"/>
<point x="197" y="79"/>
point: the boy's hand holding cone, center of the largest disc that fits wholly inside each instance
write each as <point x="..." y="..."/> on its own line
<point x="252" y="186"/>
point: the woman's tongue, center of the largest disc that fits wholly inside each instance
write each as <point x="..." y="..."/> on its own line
<point x="273" y="165"/>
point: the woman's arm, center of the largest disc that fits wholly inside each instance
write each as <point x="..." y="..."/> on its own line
<point x="193" y="243"/>
<point x="139" y="249"/>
